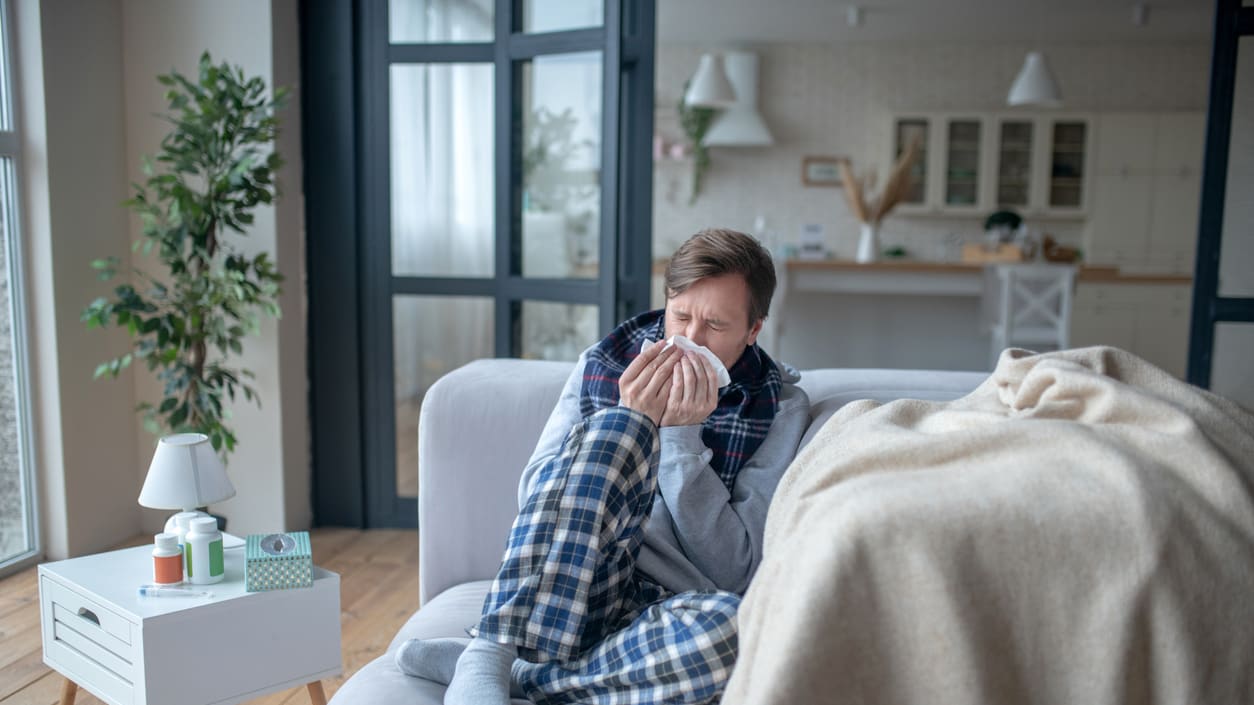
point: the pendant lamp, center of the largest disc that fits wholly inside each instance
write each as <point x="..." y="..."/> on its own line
<point x="709" y="87"/>
<point x="1035" y="84"/>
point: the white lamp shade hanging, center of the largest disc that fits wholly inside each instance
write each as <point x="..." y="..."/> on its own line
<point x="740" y="125"/>
<point x="709" y="87"/>
<point x="1035" y="84"/>
<point x="185" y="473"/>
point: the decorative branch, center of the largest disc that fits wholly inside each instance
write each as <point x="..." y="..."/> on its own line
<point x="872" y="210"/>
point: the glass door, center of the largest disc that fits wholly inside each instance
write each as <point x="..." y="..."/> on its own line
<point x="962" y="164"/>
<point x="1014" y="164"/>
<point x="1068" y="147"/>
<point x="1222" y="326"/>
<point x="906" y="130"/>
<point x="504" y="152"/>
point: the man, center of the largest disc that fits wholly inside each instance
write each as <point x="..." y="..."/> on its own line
<point x="643" y="505"/>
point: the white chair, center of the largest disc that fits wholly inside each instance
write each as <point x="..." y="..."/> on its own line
<point x="1029" y="305"/>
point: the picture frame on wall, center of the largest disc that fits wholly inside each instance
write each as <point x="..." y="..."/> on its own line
<point x="821" y="171"/>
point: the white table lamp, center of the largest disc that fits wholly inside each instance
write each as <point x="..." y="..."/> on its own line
<point x="185" y="474"/>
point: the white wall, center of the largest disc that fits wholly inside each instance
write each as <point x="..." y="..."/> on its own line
<point x="87" y="96"/>
<point x="837" y="99"/>
<point x="70" y="72"/>
<point x="270" y="466"/>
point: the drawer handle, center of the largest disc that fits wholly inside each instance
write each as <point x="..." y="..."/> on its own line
<point x="89" y="615"/>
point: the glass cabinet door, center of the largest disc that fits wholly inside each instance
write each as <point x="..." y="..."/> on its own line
<point x="962" y="163"/>
<point x="906" y="130"/>
<point x="1014" y="163"/>
<point x="1066" y="165"/>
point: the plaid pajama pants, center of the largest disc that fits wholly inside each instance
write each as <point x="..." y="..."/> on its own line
<point x="568" y="596"/>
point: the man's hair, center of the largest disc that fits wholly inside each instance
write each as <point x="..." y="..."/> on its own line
<point x="714" y="252"/>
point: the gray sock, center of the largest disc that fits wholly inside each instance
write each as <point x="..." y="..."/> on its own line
<point x="482" y="676"/>
<point x="433" y="659"/>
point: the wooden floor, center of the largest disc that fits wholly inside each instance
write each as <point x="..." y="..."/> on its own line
<point x="378" y="592"/>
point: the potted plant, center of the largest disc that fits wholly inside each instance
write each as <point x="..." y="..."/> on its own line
<point x="695" y="122"/>
<point x="187" y="320"/>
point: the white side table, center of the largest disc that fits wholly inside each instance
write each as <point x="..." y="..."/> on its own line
<point x="226" y="648"/>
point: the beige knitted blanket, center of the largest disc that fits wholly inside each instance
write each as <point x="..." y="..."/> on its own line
<point x="1079" y="529"/>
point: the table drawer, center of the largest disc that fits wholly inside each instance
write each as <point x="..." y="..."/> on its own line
<point x="99" y="623"/>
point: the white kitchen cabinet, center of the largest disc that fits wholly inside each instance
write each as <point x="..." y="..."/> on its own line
<point x="962" y="172"/>
<point x="1062" y="175"/>
<point x="1148" y="320"/>
<point x="1014" y="138"/>
<point x="906" y="128"/>
<point x="1147" y="191"/>
<point x="974" y="163"/>
<point x="950" y="174"/>
<point x="1179" y="144"/>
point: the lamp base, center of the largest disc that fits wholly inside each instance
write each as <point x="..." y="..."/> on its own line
<point x="228" y="540"/>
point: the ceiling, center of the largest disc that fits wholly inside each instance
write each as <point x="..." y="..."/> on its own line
<point x="748" y="21"/>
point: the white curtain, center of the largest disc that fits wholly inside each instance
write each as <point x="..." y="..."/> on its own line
<point x="441" y="121"/>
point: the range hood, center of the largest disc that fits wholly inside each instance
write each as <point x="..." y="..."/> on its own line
<point x="740" y="125"/>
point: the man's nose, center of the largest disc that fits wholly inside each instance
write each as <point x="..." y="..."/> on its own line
<point x="695" y="332"/>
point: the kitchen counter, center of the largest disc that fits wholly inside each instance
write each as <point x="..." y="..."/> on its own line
<point x="902" y="313"/>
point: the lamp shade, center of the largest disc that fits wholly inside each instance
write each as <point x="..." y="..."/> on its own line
<point x="740" y="125"/>
<point x="1035" y="84"/>
<point x="185" y="473"/>
<point x="709" y="87"/>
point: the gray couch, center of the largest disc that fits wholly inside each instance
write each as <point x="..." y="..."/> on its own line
<point x="478" y="427"/>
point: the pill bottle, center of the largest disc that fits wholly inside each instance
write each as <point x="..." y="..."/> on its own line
<point x="180" y="523"/>
<point x="167" y="560"/>
<point x="202" y="548"/>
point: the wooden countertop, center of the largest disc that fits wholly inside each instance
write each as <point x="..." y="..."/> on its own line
<point x="1087" y="273"/>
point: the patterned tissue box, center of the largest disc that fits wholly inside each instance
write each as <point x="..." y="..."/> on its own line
<point x="278" y="562"/>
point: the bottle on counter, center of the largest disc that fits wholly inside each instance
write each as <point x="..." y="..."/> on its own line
<point x="167" y="560"/>
<point x="203" y="549"/>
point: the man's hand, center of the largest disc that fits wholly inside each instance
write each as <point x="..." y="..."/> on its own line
<point x="646" y="383"/>
<point x="694" y="392"/>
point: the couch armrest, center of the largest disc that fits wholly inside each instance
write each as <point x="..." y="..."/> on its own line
<point x="478" y="427"/>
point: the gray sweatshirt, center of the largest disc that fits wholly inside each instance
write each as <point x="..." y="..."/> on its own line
<point x="698" y="536"/>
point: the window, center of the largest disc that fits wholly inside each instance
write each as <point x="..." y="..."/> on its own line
<point x="18" y="536"/>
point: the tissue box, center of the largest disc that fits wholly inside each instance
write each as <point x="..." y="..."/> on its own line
<point x="278" y="562"/>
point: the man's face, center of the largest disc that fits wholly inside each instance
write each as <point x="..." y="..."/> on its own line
<point x="714" y="312"/>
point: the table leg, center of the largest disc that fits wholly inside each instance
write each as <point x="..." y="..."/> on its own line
<point x="316" y="696"/>
<point x="69" y="689"/>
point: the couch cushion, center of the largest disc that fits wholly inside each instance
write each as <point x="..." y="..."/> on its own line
<point x="448" y="615"/>
<point x="380" y="682"/>
<point x="831" y="389"/>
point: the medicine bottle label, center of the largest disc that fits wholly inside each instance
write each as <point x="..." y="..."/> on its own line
<point x="215" y="558"/>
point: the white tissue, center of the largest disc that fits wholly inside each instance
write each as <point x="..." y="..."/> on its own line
<point x="684" y="343"/>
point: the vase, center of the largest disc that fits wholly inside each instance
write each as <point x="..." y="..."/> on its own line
<point x="868" y="243"/>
